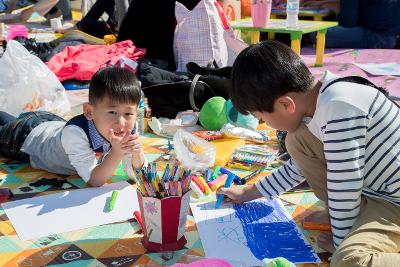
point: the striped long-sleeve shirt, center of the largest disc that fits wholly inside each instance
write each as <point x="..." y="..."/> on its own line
<point x="360" y="131"/>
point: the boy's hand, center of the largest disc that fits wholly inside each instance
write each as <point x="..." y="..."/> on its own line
<point x="128" y="143"/>
<point x="117" y="142"/>
<point x="239" y="194"/>
<point x="132" y="144"/>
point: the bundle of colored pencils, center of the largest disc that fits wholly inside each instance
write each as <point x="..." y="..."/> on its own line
<point x="175" y="181"/>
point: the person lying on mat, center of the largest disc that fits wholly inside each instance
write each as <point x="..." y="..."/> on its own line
<point x="42" y="7"/>
<point x="343" y="138"/>
<point x="107" y="126"/>
<point x="93" y="24"/>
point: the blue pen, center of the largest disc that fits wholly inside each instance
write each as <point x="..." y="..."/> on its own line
<point x="228" y="183"/>
<point x="237" y="179"/>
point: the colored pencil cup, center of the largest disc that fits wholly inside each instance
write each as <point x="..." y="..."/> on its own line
<point x="164" y="221"/>
<point x="260" y="13"/>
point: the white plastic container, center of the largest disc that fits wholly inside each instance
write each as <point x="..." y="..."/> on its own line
<point x="140" y="115"/>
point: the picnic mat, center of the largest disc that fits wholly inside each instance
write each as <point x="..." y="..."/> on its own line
<point x="116" y="244"/>
<point x="339" y="61"/>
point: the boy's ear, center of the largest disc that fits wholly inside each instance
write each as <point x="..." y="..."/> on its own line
<point x="88" y="111"/>
<point x="287" y="104"/>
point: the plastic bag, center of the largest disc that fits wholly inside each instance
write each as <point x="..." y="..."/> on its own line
<point x="199" y="35"/>
<point x="27" y="84"/>
<point x="193" y="152"/>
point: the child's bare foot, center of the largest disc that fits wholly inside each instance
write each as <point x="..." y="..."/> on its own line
<point x="321" y="216"/>
<point x="325" y="241"/>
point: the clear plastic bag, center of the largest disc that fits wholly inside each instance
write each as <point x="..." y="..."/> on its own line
<point x="27" y="84"/>
<point x="193" y="152"/>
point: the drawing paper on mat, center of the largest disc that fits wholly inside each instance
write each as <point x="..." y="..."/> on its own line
<point x="245" y="234"/>
<point x="71" y="210"/>
<point x="389" y="68"/>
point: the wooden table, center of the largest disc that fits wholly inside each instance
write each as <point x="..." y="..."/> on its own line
<point x="279" y="26"/>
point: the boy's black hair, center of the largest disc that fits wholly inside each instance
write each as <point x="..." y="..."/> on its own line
<point x="116" y="83"/>
<point x="264" y="72"/>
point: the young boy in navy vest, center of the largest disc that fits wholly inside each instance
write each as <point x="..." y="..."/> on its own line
<point x="107" y="126"/>
<point x="343" y="138"/>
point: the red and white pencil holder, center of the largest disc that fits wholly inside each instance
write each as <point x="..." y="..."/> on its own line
<point x="164" y="221"/>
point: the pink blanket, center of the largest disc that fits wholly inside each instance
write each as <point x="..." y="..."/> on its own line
<point x="339" y="61"/>
<point x="82" y="61"/>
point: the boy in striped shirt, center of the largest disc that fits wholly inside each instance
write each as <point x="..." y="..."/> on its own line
<point x="343" y="138"/>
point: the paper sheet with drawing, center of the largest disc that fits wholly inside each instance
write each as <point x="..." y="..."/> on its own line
<point x="390" y="68"/>
<point x="245" y="234"/>
<point x="71" y="210"/>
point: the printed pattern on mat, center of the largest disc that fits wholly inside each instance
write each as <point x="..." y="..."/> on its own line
<point x="117" y="244"/>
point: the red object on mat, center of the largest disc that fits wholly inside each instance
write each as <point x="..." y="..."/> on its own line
<point x="82" y="61"/>
<point x="5" y="194"/>
<point x="164" y="222"/>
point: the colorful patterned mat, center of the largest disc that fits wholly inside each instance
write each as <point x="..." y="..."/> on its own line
<point x="116" y="244"/>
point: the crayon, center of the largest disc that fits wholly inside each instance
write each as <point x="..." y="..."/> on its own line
<point x="208" y="175"/>
<point x="228" y="183"/>
<point x="196" y="190"/>
<point x="199" y="185"/>
<point x="139" y="183"/>
<point x="166" y="186"/>
<point x="148" y="189"/>
<point x="247" y="178"/>
<point x="236" y="178"/>
<point x="178" y="186"/>
<point x="152" y="188"/>
<point x="186" y="180"/>
<point x="161" y="189"/>
<point x="113" y="199"/>
<point x="215" y="173"/>
<point x="218" y="182"/>
<point x="142" y="189"/>
<point x="153" y="171"/>
<point x="166" y="172"/>
<point x="207" y="189"/>
<point x="240" y="165"/>
<point x="155" y="185"/>
<point x="316" y="226"/>
<point x="178" y="173"/>
<point x="138" y="218"/>
<point x="170" y="147"/>
<point x="171" y="187"/>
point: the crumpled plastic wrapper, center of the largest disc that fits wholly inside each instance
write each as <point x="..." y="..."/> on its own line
<point x="167" y="128"/>
<point x="229" y="130"/>
<point x="193" y="152"/>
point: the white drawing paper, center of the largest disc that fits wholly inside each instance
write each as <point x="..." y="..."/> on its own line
<point x="71" y="210"/>
<point x="263" y="229"/>
<point x="390" y="68"/>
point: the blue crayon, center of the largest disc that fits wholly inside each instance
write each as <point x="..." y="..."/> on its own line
<point x="236" y="178"/>
<point x="170" y="147"/>
<point x="228" y="183"/>
<point x="153" y="170"/>
<point x="208" y="175"/>
<point x="166" y="173"/>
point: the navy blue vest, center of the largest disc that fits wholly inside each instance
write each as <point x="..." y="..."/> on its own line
<point x="82" y="122"/>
